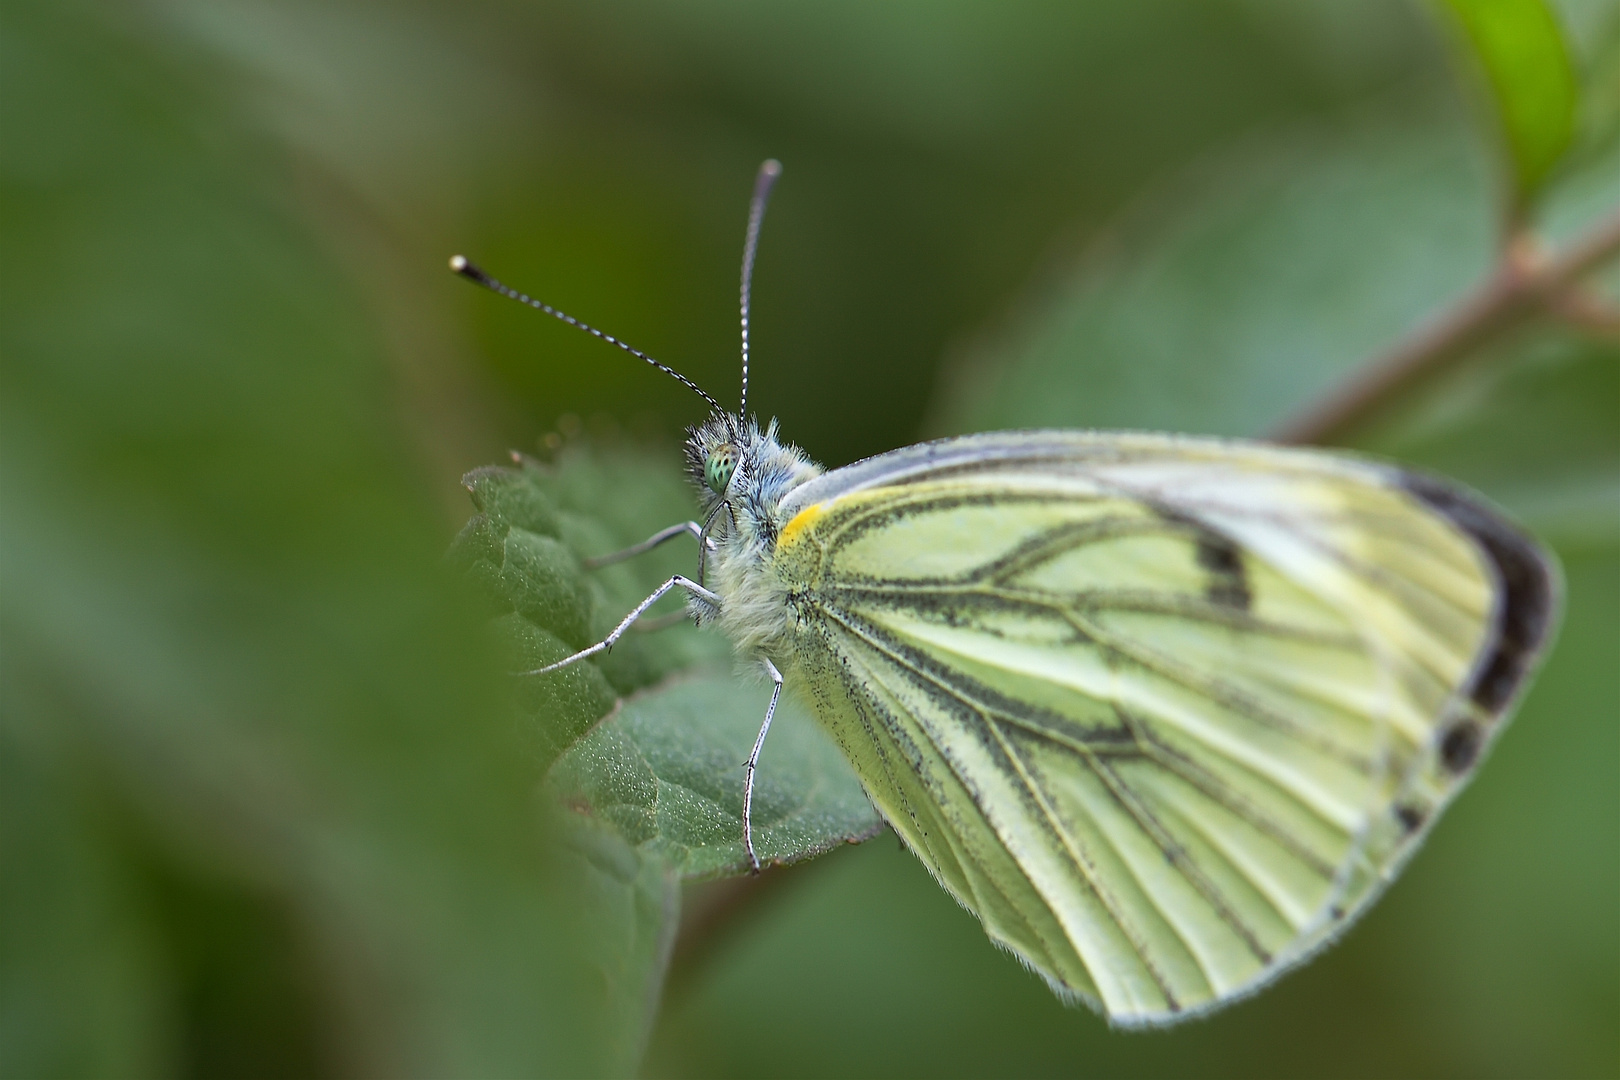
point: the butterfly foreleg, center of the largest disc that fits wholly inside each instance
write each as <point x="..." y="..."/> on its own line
<point x="705" y="545"/>
<point x="690" y="528"/>
<point x="753" y="762"/>
<point x="618" y="631"/>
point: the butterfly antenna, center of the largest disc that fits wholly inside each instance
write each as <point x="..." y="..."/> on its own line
<point x="763" y="183"/>
<point x="466" y="269"/>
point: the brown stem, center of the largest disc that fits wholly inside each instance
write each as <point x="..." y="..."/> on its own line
<point x="1586" y="309"/>
<point x="1522" y="285"/>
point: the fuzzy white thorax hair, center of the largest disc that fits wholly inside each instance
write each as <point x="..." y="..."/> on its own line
<point x="744" y="523"/>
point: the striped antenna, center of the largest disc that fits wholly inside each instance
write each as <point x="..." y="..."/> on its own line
<point x="768" y="173"/>
<point x="466" y="269"/>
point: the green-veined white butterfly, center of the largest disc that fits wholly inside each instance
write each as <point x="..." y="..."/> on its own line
<point x="1165" y="713"/>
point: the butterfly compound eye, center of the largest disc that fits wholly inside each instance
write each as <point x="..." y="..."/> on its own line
<point x="717" y="470"/>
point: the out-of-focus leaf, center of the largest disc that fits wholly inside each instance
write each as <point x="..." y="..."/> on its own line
<point x="86" y="990"/>
<point x="629" y="903"/>
<point x="1245" y="290"/>
<point x="1535" y="423"/>
<point x="1526" y="62"/>
<point x="666" y="772"/>
<point x="1585" y="191"/>
<point x="269" y="809"/>
<point x="1585" y="194"/>
<point x="599" y="156"/>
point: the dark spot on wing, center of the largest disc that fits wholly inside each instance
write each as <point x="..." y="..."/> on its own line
<point x="1528" y="602"/>
<point x="1219" y="555"/>
<point x="1411" y="816"/>
<point x="1459" y="746"/>
<point x="1229" y="595"/>
<point x="1228" y="581"/>
<point x="1336" y="911"/>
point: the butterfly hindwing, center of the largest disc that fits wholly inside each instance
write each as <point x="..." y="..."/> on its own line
<point x="1163" y="712"/>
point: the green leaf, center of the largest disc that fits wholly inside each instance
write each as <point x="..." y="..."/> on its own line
<point x="1532" y="422"/>
<point x="629" y="904"/>
<point x="86" y="985"/>
<point x="652" y="793"/>
<point x="525" y="550"/>
<point x="1526" y="63"/>
<point x="264" y="806"/>
<point x="666" y="772"/>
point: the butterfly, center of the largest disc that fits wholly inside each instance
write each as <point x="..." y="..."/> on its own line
<point x="1165" y="713"/>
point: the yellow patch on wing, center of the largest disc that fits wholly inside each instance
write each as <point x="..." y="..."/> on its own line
<point x="793" y="531"/>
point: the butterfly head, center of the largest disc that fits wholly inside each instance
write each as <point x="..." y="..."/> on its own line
<point x="736" y="461"/>
<point x="715" y="452"/>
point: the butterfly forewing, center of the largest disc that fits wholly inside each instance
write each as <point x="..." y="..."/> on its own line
<point x="1162" y="712"/>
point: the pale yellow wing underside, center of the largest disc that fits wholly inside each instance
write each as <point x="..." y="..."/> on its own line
<point x="1164" y="713"/>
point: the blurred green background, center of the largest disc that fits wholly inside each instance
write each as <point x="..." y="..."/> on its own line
<point x="264" y="808"/>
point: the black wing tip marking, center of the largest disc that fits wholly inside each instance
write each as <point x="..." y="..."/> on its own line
<point x="1460" y="746"/>
<point x="1411" y="816"/>
<point x="1530" y="593"/>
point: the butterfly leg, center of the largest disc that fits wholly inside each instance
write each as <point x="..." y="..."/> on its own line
<point x="705" y="545"/>
<point x="687" y="528"/>
<point x="618" y="631"/>
<point x="691" y="528"/>
<point x="753" y="761"/>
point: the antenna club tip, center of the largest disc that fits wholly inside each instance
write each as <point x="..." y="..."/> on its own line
<point x="462" y="265"/>
<point x="772" y="168"/>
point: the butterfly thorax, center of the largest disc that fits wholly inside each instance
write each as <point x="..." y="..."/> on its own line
<point x="742" y="474"/>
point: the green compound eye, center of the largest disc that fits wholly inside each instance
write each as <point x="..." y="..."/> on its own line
<point x="718" y="469"/>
